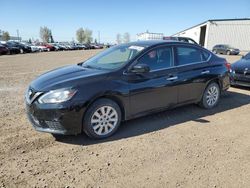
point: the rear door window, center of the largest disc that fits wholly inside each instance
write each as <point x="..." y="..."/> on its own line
<point x="188" y="55"/>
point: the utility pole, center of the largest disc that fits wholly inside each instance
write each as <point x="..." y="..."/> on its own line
<point x="17" y="32"/>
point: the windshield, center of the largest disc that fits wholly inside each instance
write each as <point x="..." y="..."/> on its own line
<point x="114" y="57"/>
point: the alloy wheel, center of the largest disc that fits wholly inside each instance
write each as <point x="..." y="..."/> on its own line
<point x="212" y="96"/>
<point x="104" y="120"/>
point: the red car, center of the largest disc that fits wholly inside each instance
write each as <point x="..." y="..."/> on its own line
<point x="50" y="47"/>
<point x="3" y="50"/>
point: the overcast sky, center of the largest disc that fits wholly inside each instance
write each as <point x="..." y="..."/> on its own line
<point x="112" y="16"/>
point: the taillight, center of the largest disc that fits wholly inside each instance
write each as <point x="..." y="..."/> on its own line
<point x="228" y="65"/>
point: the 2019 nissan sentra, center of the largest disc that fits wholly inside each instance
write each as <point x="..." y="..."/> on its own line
<point x="124" y="82"/>
<point x="241" y="71"/>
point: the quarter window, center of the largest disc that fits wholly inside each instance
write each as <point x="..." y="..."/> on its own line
<point x="158" y="58"/>
<point x="205" y="55"/>
<point x="187" y="55"/>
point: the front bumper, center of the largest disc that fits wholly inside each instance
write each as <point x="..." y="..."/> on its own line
<point x="240" y="79"/>
<point x="63" y="119"/>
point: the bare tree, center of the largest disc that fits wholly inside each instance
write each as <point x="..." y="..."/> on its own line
<point x="126" y="37"/>
<point x="118" y="38"/>
<point x="88" y="35"/>
<point x="80" y="35"/>
<point x="45" y="34"/>
<point x="84" y="35"/>
<point x="5" y="36"/>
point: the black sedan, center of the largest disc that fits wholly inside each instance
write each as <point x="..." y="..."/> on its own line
<point x="124" y="82"/>
<point x="225" y="49"/>
<point x="11" y="48"/>
<point x="22" y="48"/>
<point x="241" y="71"/>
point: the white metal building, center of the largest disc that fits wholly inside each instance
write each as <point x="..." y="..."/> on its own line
<point x="235" y="32"/>
<point x="149" y="36"/>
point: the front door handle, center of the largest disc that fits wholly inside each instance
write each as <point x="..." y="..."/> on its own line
<point x="172" y="78"/>
<point x="205" y="72"/>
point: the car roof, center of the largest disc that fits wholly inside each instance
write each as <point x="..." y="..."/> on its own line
<point x="148" y="43"/>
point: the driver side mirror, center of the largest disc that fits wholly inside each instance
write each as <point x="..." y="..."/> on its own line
<point x="140" y="68"/>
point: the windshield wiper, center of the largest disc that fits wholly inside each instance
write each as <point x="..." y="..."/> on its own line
<point x="87" y="66"/>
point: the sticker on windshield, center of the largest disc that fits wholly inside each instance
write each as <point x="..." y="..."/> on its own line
<point x="138" y="48"/>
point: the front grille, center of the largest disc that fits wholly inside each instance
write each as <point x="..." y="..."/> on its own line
<point x="43" y="124"/>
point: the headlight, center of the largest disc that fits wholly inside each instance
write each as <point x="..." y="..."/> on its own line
<point x="57" y="96"/>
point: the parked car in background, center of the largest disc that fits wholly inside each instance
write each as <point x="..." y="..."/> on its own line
<point x="49" y="47"/>
<point x="181" y="39"/>
<point x="3" y="50"/>
<point x="87" y="46"/>
<point x="225" y="49"/>
<point x="41" y="48"/>
<point x="12" y="49"/>
<point x="61" y="46"/>
<point x="96" y="46"/>
<point x="96" y="95"/>
<point x="56" y="46"/>
<point x="241" y="71"/>
<point x="80" y="46"/>
<point x="33" y="47"/>
<point x="22" y="48"/>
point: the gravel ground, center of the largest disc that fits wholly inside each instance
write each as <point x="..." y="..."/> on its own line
<point x="183" y="147"/>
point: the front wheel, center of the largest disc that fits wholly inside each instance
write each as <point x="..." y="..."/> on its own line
<point x="210" y="96"/>
<point x="228" y="53"/>
<point x="102" y="119"/>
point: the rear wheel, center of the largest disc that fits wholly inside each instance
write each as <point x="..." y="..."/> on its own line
<point x="102" y="119"/>
<point x="210" y="96"/>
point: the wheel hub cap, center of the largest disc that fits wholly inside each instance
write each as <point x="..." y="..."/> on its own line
<point x="104" y="120"/>
<point x="212" y="96"/>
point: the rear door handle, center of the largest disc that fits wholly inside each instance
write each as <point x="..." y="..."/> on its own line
<point x="172" y="78"/>
<point x="205" y="72"/>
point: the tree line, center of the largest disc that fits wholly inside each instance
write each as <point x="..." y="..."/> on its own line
<point x="82" y="36"/>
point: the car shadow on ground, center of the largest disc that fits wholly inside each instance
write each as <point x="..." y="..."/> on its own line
<point x="163" y="120"/>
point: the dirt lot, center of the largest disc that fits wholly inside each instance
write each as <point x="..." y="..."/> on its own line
<point x="184" y="147"/>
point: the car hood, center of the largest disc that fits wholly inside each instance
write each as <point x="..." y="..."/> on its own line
<point x="68" y="76"/>
<point x="241" y="65"/>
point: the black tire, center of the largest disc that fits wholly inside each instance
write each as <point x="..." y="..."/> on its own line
<point x="206" y="96"/>
<point x="88" y="126"/>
